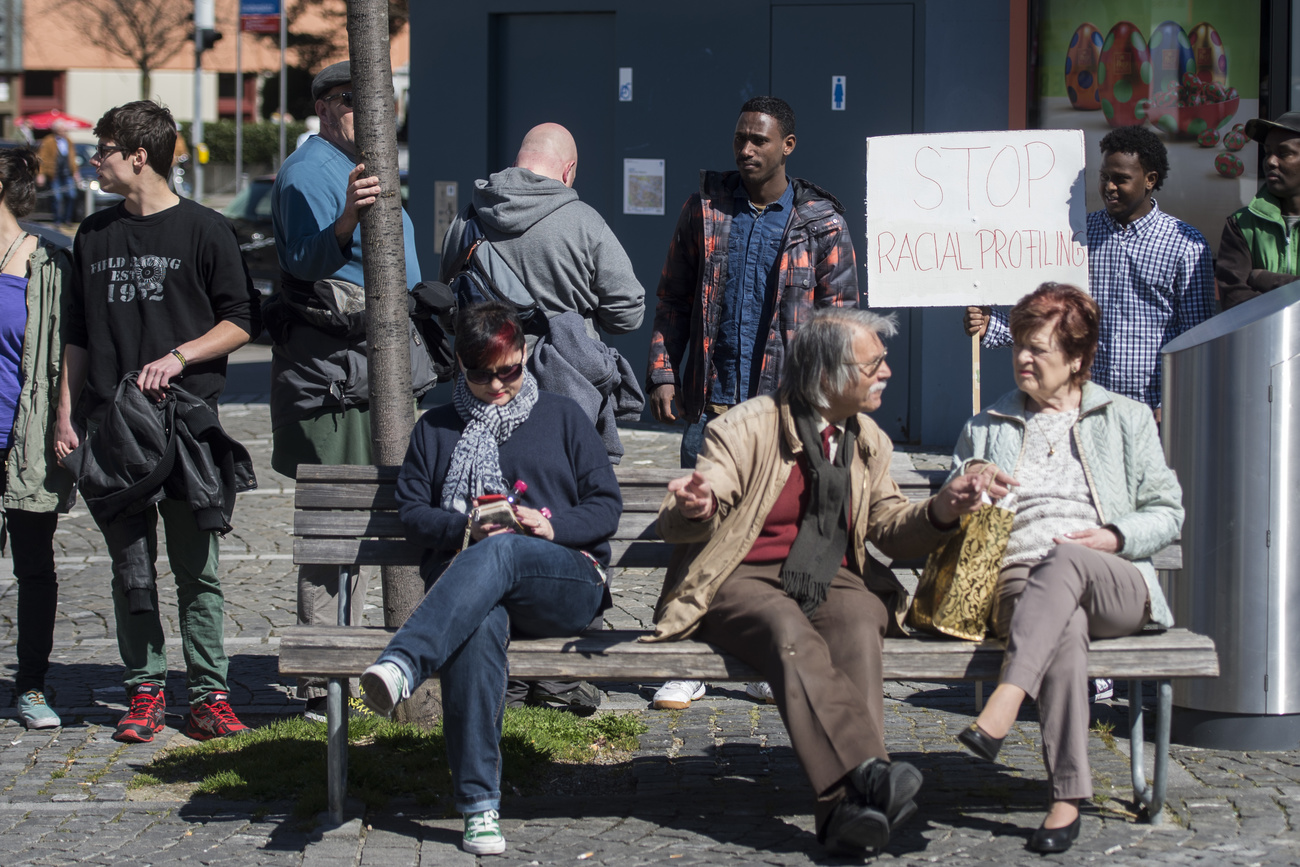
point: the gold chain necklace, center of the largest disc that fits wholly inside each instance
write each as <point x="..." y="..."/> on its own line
<point x="1051" y="443"/>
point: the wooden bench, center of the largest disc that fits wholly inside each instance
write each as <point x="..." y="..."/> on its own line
<point x="346" y="516"/>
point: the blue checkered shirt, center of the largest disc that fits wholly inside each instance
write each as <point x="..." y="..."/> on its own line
<point x="1153" y="280"/>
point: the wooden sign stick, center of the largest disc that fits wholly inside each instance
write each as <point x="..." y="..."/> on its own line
<point x="975" y="374"/>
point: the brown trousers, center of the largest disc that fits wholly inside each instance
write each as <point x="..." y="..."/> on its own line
<point x="1047" y="612"/>
<point x="825" y="672"/>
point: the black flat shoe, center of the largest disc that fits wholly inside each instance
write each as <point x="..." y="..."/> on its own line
<point x="890" y="787"/>
<point x="1047" y="840"/>
<point x="981" y="744"/>
<point x="855" y="829"/>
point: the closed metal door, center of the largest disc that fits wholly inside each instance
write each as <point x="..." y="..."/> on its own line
<point x="871" y="47"/>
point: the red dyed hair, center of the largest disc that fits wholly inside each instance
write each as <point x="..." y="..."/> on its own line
<point x="1075" y="319"/>
<point x="486" y="332"/>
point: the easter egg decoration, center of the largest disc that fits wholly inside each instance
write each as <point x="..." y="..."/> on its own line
<point x="1229" y="165"/>
<point x="1081" y="68"/>
<point x="1171" y="56"/>
<point x="1123" y="74"/>
<point x="1235" y="140"/>
<point x="1208" y="54"/>
<point x="1208" y="139"/>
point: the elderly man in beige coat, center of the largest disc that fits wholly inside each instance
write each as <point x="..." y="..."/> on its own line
<point x="772" y="563"/>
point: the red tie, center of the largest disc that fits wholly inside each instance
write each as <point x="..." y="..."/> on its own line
<point x="826" y="440"/>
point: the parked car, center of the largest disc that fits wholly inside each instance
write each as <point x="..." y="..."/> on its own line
<point x="250" y="211"/>
<point x="99" y="200"/>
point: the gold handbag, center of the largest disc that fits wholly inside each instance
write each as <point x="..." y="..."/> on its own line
<point x="955" y="594"/>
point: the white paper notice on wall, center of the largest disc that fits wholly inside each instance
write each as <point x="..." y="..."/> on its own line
<point x="625" y="84"/>
<point x="957" y="219"/>
<point x="837" y="92"/>
<point x="643" y="187"/>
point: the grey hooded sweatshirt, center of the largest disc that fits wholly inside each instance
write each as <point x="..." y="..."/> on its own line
<point x="558" y="246"/>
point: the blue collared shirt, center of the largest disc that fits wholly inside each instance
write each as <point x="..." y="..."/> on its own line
<point x="753" y="248"/>
<point x="1153" y="280"/>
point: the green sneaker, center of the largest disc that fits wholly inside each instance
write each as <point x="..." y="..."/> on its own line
<point x="35" y="712"/>
<point x="483" y="833"/>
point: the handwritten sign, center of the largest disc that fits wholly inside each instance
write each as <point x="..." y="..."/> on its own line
<point x="955" y="219"/>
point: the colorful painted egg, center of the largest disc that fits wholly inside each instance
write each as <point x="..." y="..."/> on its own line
<point x="1171" y="56"/>
<point x="1231" y="93"/>
<point x="1229" y="165"/>
<point x="1236" y="139"/>
<point x="1208" y="54"/>
<point x="1081" y="68"/>
<point x="1123" y="74"/>
<point x="1208" y="139"/>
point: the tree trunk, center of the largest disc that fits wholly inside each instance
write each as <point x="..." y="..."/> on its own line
<point x="146" y="81"/>
<point x="392" y="410"/>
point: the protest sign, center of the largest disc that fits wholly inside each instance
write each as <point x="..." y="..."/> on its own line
<point x="957" y="219"/>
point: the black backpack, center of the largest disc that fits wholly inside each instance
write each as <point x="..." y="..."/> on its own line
<point x="478" y="274"/>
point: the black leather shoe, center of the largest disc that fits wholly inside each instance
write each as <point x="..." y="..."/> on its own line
<point x="1046" y="840"/>
<point x="889" y="787"/>
<point x="981" y="744"/>
<point x="855" y="828"/>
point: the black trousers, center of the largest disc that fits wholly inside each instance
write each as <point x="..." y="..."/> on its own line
<point x="31" y="541"/>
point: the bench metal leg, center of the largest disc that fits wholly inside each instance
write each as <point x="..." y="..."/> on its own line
<point x="979" y="696"/>
<point x="1152" y="796"/>
<point x="336" y="709"/>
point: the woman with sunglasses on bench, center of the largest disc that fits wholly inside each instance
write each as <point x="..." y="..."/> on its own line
<point x="533" y="567"/>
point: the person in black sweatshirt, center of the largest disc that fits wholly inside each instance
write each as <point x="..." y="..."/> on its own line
<point x="535" y="568"/>
<point x="158" y="286"/>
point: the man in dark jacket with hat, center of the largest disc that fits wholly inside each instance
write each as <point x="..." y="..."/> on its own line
<point x="1260" y="248"/>
<point x="753" y="254"/>
<point x="320" y="399"/>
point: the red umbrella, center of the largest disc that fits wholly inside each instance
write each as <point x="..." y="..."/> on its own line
<point x="46" y="119"/>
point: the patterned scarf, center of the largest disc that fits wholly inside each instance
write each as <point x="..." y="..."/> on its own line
<point x="476" y="462"/>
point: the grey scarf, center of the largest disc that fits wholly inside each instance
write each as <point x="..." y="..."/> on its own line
<point x="819" y="548"/>
<point x="476" y="461"/>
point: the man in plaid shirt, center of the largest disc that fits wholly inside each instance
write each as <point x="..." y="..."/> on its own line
<point x="1150" y="272"/>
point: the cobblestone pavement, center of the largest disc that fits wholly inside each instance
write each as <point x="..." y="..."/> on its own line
<point x="715" y="784"/>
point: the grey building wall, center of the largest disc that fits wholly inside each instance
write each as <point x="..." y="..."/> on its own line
<point x="694" y="64"/>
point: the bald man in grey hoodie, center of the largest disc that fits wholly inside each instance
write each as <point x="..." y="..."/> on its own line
<point x="558" y="246"/>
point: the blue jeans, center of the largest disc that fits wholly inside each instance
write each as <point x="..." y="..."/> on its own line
<point x="462" y="629"/>
<point x="693" y="439"/>
<point x="64" y="193"/>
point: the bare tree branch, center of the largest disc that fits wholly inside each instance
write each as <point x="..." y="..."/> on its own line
<point x="148" y="32"/>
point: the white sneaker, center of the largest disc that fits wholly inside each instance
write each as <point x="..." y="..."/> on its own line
<point x="761" y="692"/>
<point x="678" y="694"/>
<point x="483" y="833"/>
<point x="383" y="685"/>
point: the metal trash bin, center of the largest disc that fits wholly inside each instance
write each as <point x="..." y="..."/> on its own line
<point x="1232" y="433"/>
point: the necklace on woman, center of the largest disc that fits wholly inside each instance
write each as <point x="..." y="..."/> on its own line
<point x="1051" y="441"/>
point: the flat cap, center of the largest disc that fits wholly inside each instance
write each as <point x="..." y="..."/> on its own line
<point x="331" y="76"/>
<point x="1258" y="128"/>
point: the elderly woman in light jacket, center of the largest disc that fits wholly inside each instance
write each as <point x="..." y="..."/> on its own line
<point x="1096" y="501"/>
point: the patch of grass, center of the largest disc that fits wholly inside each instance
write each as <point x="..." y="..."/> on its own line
<point x="59" y="774"/>
<point x="1105" y="729"/>
<point x="139" y="781"/>
<point x="286" y="759"/>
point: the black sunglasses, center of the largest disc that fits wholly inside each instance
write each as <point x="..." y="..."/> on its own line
<point x="103" y="151"/>
<point x="507" y="375"/>
<point x="346" y="96"/>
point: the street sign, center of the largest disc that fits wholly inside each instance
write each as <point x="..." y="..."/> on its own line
<point x="259" y="23"/>
<point x="259" y="7"/>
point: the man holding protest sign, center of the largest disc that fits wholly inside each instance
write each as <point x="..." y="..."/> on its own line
<point x="1149" y="271"/>
<point x="754" y="252"/>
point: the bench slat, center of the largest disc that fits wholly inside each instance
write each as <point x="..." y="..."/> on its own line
<point x="343" y="495"/>
<point x="325" y="651"/>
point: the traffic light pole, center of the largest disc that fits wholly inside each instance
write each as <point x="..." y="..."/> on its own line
<point x="204" y="22"/>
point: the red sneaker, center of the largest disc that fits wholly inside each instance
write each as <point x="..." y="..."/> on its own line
<point x="213" y="718"/>
<point x="144" y="717"/>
